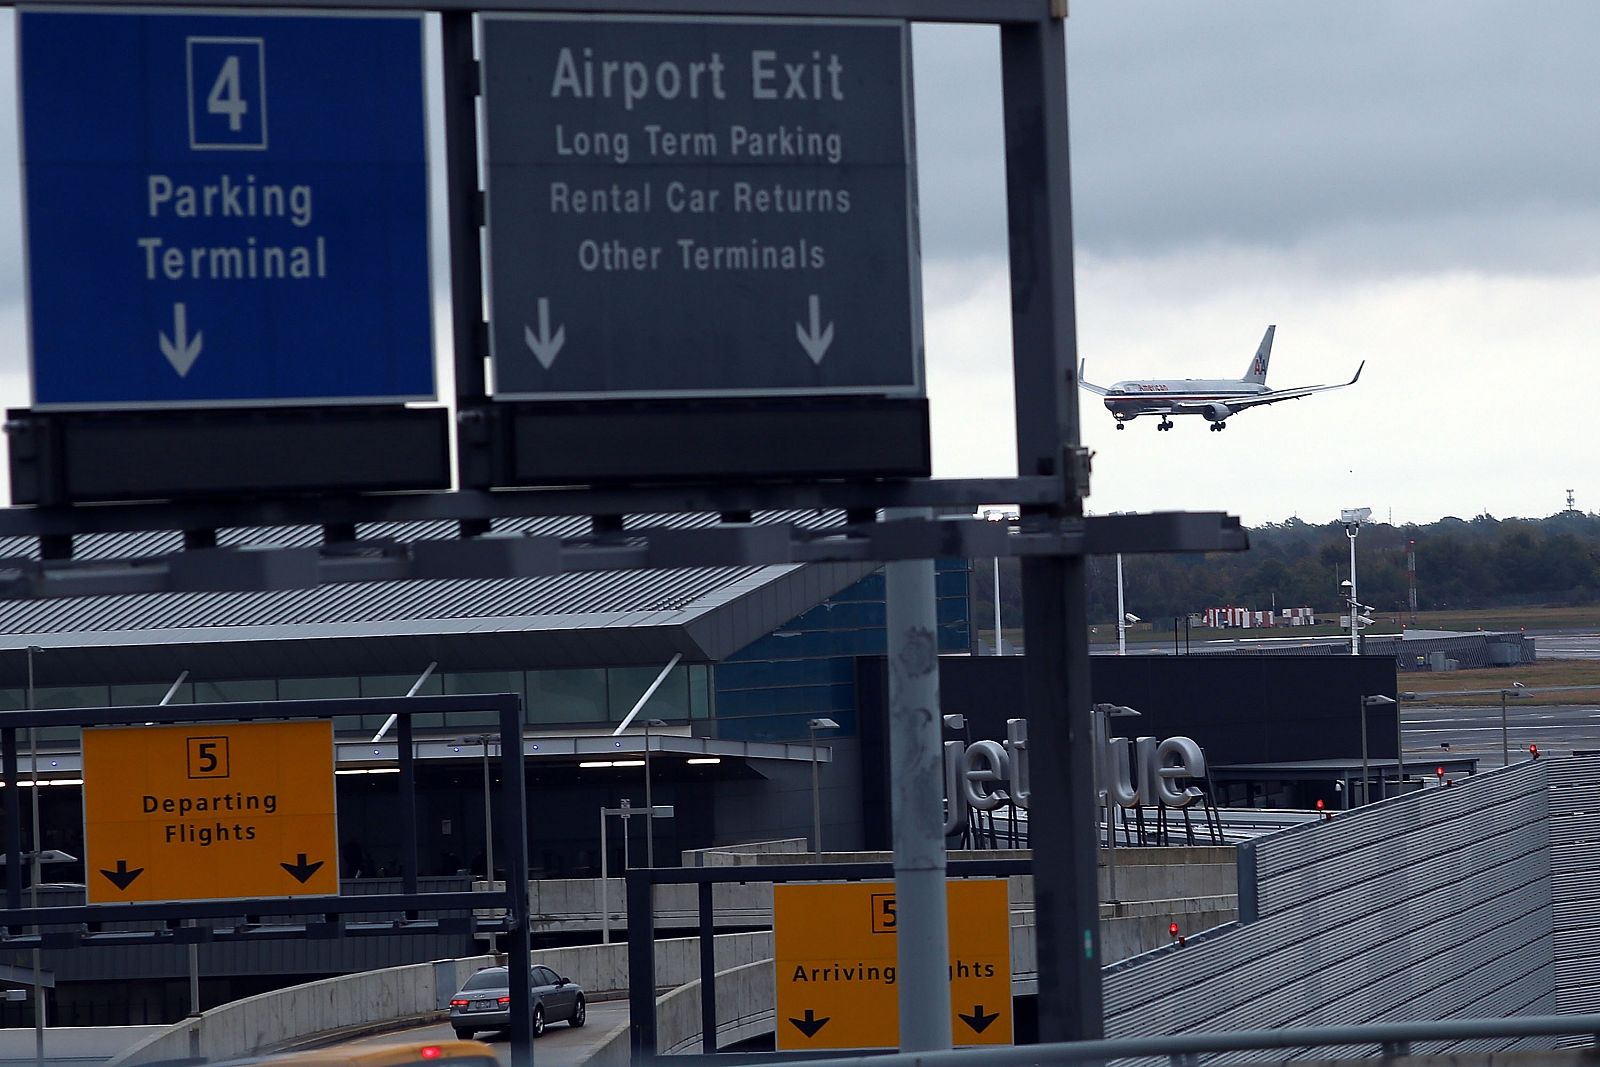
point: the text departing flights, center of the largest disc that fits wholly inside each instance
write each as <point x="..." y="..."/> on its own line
<point x="209" y="811"/>
<point x="836" y="952"/>
<point x="1215" y="399"/>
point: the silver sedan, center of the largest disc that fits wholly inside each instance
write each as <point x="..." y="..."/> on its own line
<point x="484" y="1002"/>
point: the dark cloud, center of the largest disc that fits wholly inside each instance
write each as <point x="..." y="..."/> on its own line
<point x="1261" y="123"/>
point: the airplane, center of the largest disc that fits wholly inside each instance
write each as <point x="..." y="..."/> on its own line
<point x="1214" y="399"/>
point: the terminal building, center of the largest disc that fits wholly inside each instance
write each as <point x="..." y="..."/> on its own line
<point x="740" y="664"/>
<point x="738" y="661"/>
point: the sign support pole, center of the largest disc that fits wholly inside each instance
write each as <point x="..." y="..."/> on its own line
<point x="406" y="754"/>
<point x="463" y="206"/>
<point x="514" y="821"/>
<point x="13" y="801"/>
<point x="1044" y="352"/>
<point x="916" y="785"/>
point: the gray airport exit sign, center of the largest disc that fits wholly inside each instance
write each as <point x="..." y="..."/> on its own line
<point x="700" y="207"/>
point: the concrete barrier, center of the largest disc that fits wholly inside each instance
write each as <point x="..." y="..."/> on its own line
<point x="71" y="1044"/>
<point x="783" y="850"/>
<point x="745" y="1009"/>
<point x="418" y="992"/>
<point x="569" y="905"/>
<point x="284" y="1017"/>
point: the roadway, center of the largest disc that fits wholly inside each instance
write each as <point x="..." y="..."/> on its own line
<point x="561" y="1045"/>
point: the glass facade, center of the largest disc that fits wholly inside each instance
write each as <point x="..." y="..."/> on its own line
<point x="550" y="698"/>
<point x="805" y="669"/>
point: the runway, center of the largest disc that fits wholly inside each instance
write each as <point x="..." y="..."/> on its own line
<point x="1558" y="730"/>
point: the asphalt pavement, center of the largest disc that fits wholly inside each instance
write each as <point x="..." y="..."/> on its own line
<point x="1567" y="644"/>
<point x="1558" y="730"/>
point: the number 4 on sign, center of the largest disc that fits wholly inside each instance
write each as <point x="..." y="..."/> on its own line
<point x="225" y="97"/>
<point x="227" y="93"/>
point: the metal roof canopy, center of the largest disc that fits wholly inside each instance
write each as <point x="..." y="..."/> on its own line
<point x="391" y="628"/>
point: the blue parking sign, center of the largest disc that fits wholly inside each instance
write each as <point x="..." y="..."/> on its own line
<point x="225" y="209"/>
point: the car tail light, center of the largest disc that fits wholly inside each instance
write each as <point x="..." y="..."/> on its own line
<point x="505" y="1000"/>
<point x="459" y="1003"/>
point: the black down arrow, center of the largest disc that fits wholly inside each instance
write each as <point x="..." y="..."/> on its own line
<point x="978" y="1020"/>
<point x="302" y="870"/>
<point x="122" y="878"/>
<point x="810" y="1024"/>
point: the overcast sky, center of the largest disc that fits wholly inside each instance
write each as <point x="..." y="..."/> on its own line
<point x="1415" y="185"/>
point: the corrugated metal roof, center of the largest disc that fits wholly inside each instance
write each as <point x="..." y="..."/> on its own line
<point x="591" y="593"/>
<point x="581" y="618"/>
<point x="160" y="542"/>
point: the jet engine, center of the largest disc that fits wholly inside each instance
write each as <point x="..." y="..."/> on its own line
<point x="1216" y="412"/>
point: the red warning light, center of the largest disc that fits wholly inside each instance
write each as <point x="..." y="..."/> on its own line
<point x="1533" y="750"/>
<point x="1172" y="928"/>
<point x="430" y="1052"/>
<point x="1320" y="804"/>
<point x="1439" y="771"/>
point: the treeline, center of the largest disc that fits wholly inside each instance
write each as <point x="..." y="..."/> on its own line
<point x="1474" y="563"/>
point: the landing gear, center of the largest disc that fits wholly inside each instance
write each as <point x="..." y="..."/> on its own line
<point x="1122" y="426"/>
<point x="1164" y="424"/>
<point x="1219" y="426"/>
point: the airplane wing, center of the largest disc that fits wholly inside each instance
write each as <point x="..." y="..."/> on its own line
<point x="1275" y="395"/>
<point x="1098" y="390"/>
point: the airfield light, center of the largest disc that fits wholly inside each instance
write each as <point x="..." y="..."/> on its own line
<point x="1533" y="750"/>
<point x="1172" y="928"/>
<point x="1439" y="771"/>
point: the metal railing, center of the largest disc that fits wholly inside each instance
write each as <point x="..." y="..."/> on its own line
<point x="1184" y="1050"/>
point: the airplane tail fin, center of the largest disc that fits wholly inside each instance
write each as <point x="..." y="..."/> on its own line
<point x="1257" y="374"/>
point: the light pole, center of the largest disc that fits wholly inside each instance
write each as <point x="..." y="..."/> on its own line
<point x="998" y="515"/>
<point x="488" y="814"/>
<point x="1375" y="701"/>
<point x="488" y="809"/>
<point x="33" y="889"/>
<point x="649" y="803"/>
<point x="1101" y="716"/>
<point x="1505" y="746"/>
<point x="1122" y="613"/>
<point x="1352" y="519"/>
<point x="816" y="794"/>
<point x="622" y="811"/>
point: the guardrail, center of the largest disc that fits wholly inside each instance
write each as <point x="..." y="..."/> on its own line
<point x="1183" y="1050"/>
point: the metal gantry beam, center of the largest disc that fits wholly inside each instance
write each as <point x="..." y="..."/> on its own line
<point x="981" y="12"/>
<point x="260" y="567"/>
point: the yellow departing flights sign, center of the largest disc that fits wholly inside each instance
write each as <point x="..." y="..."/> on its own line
<point x="836" y="946"/>
<point x="209" y="812"/>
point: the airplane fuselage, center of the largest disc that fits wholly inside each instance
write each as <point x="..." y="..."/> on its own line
<point x="1129" y="400"/>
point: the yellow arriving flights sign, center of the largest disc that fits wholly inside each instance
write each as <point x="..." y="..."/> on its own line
<point x="209" y="812"/>
<point x="836" y="951"/>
